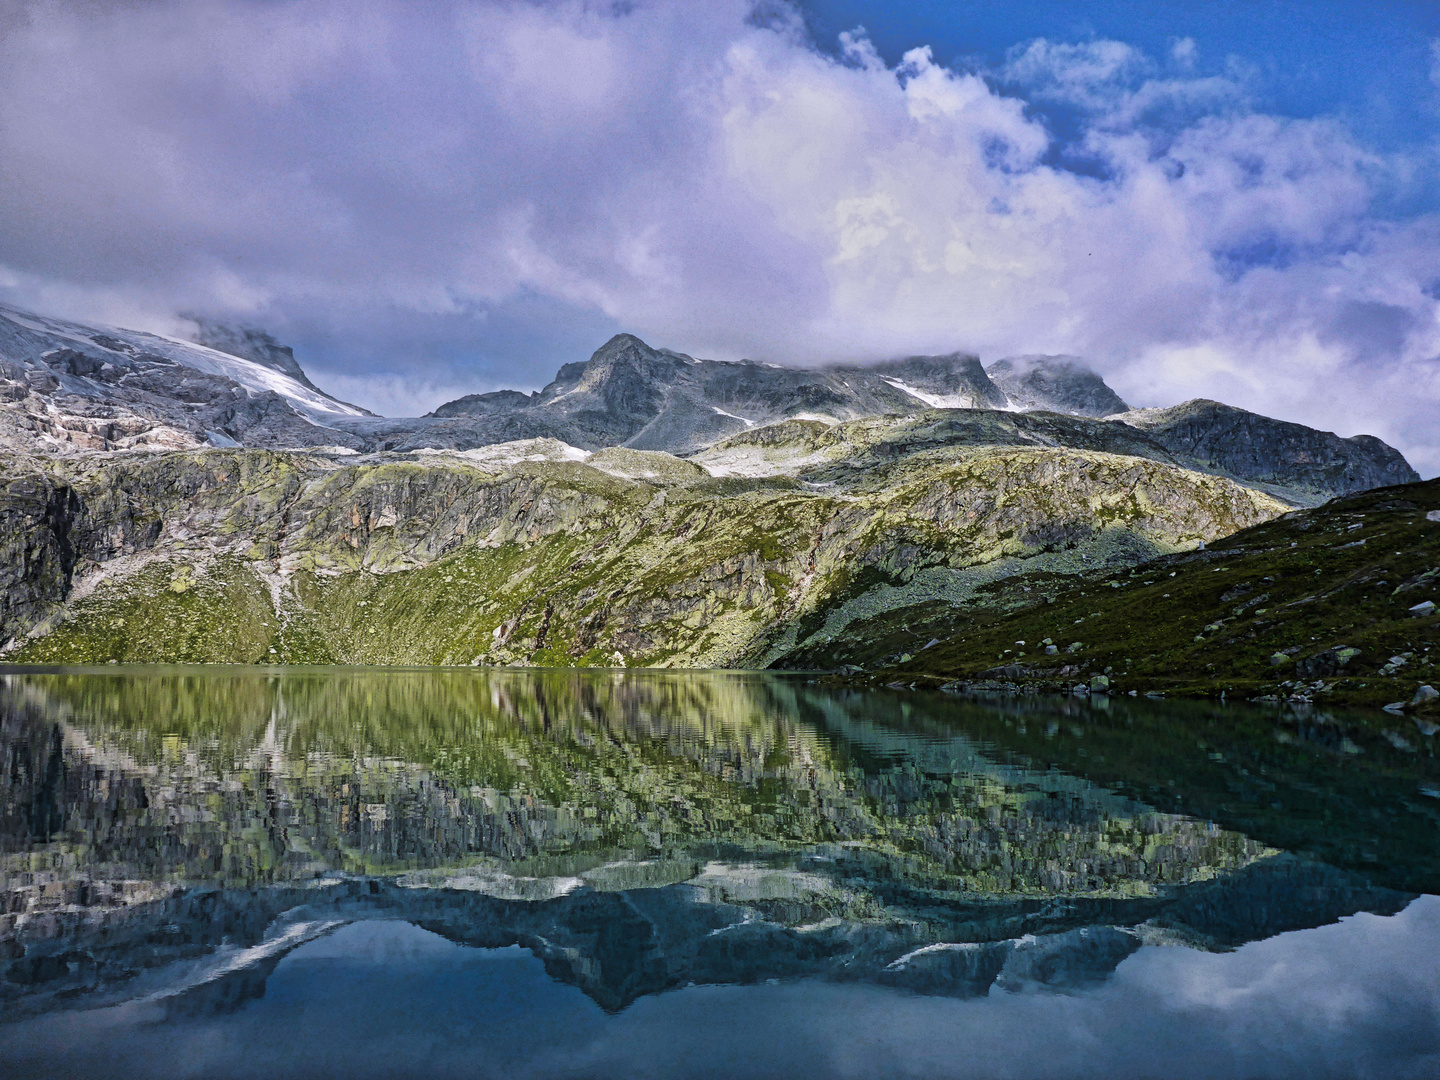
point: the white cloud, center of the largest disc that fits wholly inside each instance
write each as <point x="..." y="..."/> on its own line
<point x="393" y="395"/>
<point x="714" y="184"/>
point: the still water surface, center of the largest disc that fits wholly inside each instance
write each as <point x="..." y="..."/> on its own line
<point x="339" y="872"/>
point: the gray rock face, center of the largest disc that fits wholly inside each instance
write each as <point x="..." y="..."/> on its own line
<point x="67" y="387"/>
<point x="654" y="399"/>
<point x="1057" y="383"/>
<point x="37" y="553"/>
<point x="1221" y="438"/>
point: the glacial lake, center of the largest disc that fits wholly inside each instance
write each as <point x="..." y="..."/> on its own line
<point x="238" y="872"/>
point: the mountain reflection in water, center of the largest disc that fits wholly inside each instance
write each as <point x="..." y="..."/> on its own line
<point x="183" y="852"/>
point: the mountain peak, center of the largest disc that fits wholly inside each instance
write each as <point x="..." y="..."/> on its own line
<point x="1065" y="384"/>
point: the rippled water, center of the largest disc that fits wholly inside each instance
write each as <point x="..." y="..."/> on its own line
<point x="236" y="872"/>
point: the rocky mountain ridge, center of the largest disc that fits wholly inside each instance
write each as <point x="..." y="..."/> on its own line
<point x="1275" y="455"/>
<point x="65" y="387"/>
<point x="70" y="388"/>
<point x="655" y="399"/>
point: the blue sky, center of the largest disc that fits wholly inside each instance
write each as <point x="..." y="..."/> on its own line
<point x="1230" y="200"/>
<point x="1367" y="60"/>
<point x="1371" y="63"/>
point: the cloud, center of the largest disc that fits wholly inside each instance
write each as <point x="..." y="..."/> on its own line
<point x="1184" y="51"/>
<point x="1355" y="998"/>
<point x="709" y="180"/>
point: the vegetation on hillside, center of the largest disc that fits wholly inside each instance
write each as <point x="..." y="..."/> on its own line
<point x="1325" y="605"/>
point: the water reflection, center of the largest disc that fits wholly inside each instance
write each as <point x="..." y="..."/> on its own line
<point x="172" y="843"/>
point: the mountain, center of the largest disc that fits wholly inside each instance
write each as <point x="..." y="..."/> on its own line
<point x="67" y="387"/>
<point x="1063" y="384"/>
<point x="818" y="518"/>
<point x="534" y="552"/>
<point x="250" y="343"/>
<point x="629" y="394"/>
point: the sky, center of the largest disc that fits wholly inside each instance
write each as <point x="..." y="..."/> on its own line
<point x="1235" y="200"/>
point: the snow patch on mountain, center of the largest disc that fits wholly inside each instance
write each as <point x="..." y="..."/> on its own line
<point x="935" y="401"/>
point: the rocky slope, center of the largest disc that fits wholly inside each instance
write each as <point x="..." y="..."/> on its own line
<point x="522" y="554"/>
<point x="69" y="388"/>
<point x="1330" y="605"/>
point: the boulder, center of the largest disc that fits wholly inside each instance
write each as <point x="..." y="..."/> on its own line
<point x="1324" y="664"/>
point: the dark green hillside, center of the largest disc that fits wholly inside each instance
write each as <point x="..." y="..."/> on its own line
<point x="1316" y="604"/>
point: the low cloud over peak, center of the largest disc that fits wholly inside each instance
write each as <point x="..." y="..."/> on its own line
<point x="471" y="193"/>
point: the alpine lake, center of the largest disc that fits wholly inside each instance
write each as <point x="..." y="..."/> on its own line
<point x="341" y="872"/>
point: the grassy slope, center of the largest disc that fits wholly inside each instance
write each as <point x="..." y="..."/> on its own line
<point x="1249" y="616"/>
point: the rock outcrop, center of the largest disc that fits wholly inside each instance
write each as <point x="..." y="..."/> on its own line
<point x="1220" y="438"/>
